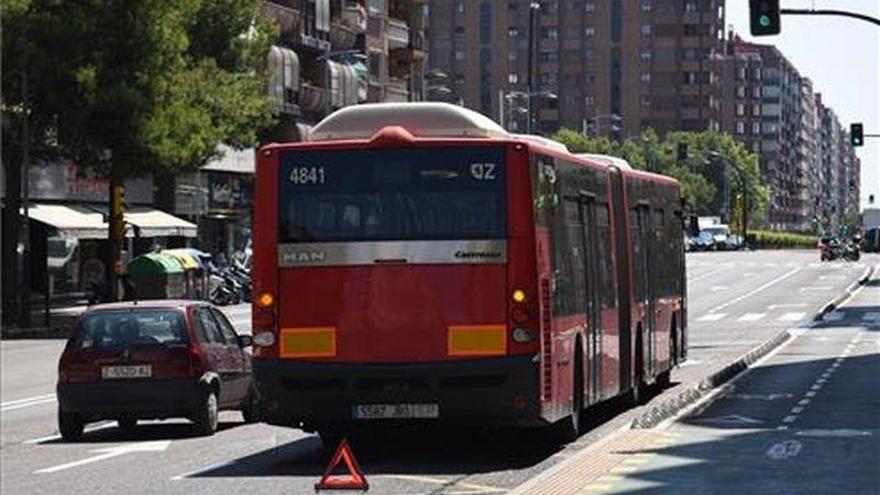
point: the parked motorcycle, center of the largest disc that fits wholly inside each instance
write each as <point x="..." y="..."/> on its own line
<point x="830" y="249"/>
<point x="851" y="251"/>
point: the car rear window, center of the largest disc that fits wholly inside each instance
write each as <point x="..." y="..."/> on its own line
<point x="129" y="328"/>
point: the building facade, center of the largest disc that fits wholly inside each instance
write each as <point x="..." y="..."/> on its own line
<point x="605" y="67"/>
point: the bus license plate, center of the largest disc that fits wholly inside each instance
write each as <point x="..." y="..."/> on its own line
<point x="141" y="371"/>
<point x="396" y="411"/>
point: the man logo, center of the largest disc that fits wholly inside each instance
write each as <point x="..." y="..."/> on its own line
<point x="305" y="257"/>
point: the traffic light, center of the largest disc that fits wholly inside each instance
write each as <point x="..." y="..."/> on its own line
<point x="764" y="17"/>
<point x="857" y="134"/>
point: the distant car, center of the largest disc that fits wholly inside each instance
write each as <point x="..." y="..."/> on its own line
<point x="154" y="360"/>
<point x="715" y="237"/>
<point x="704" y="241"/>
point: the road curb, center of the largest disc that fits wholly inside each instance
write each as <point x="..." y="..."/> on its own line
<point x="55" y="332"/>
<point x="831" y="306"/>
<point x="670" y="407"/>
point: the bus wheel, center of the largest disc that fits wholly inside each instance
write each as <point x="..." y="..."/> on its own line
<point x="568" y="429"/>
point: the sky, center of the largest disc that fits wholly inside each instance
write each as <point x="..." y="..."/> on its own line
<point x="842" y="57"/>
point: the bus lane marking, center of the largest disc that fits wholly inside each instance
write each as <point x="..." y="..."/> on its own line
<point x="712" y="317"/>
<point x="751" y="317"/>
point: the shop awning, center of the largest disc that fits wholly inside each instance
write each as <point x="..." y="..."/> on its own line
<point x="156" y="223"/>
<point x="80" y="222"/>
<point x="73" y="222"/>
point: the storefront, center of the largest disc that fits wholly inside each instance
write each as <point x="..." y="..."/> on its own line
<point x="68" y="215"/>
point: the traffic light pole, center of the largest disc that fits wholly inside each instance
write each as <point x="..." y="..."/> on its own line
<point x="843" y="13"/>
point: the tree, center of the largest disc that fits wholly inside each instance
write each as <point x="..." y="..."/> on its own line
<point x="716" y="163"/>
<point x="131" y="88"/>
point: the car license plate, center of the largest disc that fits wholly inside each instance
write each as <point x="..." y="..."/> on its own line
<point x="396" y="411"/>
<point x="140" y="371"/>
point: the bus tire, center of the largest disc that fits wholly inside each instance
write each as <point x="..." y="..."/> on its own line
<point x="568" y="429"/>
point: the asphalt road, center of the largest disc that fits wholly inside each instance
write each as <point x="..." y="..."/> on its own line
<point x="737" y="300"/>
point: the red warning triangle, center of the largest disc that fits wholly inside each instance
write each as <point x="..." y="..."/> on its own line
<point x="354" y="480"/>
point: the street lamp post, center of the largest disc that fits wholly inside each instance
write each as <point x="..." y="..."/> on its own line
<point x="513" y="95"/>
<point x="534" y="10"/>
<point x="612" y="118"/>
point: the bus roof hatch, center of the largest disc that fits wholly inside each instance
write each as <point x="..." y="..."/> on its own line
<point x="421" y="119"/>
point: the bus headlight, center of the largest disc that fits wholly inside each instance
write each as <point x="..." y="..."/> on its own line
<point x="522" y="335"/>
<point x="264" y="339"/>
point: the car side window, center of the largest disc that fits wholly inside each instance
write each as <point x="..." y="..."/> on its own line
<point x="201" y="333"/>
<point x="228" y="332"/>
<point x="212" y="330"/>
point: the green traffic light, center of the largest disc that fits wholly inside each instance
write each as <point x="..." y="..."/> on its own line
<point x="764" y="20"/>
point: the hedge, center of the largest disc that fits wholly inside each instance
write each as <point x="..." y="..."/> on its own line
<point x="774" y="239"/>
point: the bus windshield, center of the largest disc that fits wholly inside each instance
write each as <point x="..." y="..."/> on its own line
<point x="392" y="194"/>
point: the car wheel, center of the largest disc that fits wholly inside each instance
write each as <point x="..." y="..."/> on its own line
<point x="70" y="425"/>
<point x="127" y="424"/>
<point x="251" y="410"/>
<point x="207" y="416"/>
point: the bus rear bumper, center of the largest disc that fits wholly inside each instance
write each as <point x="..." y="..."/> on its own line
<point x="491" y="391"/>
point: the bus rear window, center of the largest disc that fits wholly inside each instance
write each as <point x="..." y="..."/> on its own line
<point x="392" y="194"/>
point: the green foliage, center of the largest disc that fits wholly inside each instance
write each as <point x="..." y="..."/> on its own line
<point x="157" y="83"/>
<point x="774" y="239"/>
<point x="703" y="176"/>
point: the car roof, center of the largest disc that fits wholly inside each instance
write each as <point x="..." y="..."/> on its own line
<point x="146" y="304"/>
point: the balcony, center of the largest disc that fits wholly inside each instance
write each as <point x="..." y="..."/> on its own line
<point x="289" y="20"/>
<point x="396" y="91"/>
<point x="355" y="17"/>
<point x="398" y="34"/>
<point x="313" y="99"/>
<point x="342" y="36"/>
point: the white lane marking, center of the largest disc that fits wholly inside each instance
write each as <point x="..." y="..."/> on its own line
<point x="797" y="316"/>
<point x="816" y="288"/>
<point x="810" y="393"/>
<point x="789" y="419"/>
<point x="23" y="405"/>
<point x="784" y="450"/>
<point x="756" y="290"/>
<point x="832" y="277"/>
<point x="28" y="399"/>
<point x="706" y="274"/>
<point x="712" y="317"/>
<point x="109" y="452"/>
<point x="797" y="410"/>
<point x="804" y="402"/>
<point x="781" y="428"/>
<point x="469" y="487"/>
<point x="730" y="419"/>
<point x="758" y="396"/>
<point x="816" y="387"/>
<point x="789" y="305"/>
<point x="751" y="316"/>
<point x="718" y="288"/>
<point x="199" y="471"/>
<point x="820" y="380"/>
<point x="842" y="433"/>
<point x="99" y="426"/>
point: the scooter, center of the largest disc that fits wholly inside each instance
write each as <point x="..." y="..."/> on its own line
<point x="851" y="252"/>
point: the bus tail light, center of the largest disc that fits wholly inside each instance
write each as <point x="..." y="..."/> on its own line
<point x="265" y="300"/>
<point x="520" y="315"/>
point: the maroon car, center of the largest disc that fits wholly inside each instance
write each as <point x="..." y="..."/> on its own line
<point x="153" y="360"/>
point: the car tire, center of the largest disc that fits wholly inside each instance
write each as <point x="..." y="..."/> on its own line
<point x="252" y="408"/>
<point x="206" y="417"/>
<point x="127" y="424"/>
<point x="70" y="425"/>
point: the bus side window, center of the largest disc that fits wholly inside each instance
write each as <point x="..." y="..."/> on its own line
<point x="607" y="290"/>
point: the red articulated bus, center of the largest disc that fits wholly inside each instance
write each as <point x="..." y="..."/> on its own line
<point x="414" y="262"/>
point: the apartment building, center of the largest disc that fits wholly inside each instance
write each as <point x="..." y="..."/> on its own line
<point x="809" y="156"/>
<point x="830" y="133"/>
<point x="602" y="66"/>
<point x="335" y="53"/>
